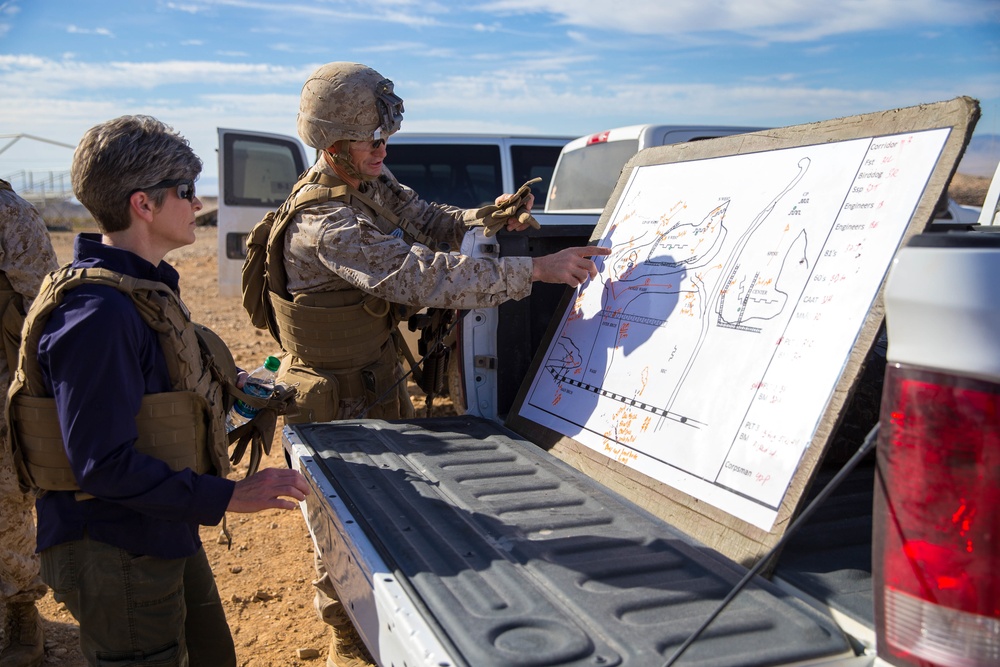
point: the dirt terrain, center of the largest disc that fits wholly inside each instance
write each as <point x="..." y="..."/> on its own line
<point x="969" y="190"/>
<point x="265" y="579"/>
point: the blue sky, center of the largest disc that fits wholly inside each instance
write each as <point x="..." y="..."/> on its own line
<point x="567" y="67"/>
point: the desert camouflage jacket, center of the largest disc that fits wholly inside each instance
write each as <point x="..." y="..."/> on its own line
<point x="332" y="247"/>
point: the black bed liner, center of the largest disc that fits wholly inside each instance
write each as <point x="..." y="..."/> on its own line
<point x="519" y="559"/>
<point x="830" y="557"/>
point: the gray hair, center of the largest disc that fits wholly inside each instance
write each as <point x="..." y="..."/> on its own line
<point x="118" y="157"/>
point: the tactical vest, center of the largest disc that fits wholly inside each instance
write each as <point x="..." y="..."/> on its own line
<point x="184" y="427"/>
<point x="340" y="342"/>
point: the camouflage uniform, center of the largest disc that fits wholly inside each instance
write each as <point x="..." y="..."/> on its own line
<point x="26" y="256"/>
<point x="333" y="247"/>
<point x="338" y="255"/>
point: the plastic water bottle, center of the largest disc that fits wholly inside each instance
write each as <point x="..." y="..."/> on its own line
<point x="259" y="383"/>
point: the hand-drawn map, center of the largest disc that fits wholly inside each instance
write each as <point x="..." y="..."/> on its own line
<point x="705" y="352"/>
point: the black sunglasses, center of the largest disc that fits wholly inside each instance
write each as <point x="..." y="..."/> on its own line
<point x="185" y="187"/>
<point x="374" y="143"/>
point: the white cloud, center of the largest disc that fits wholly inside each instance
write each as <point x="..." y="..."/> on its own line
<point x="517" y="98"/>
<point x="76" y="30"/>
<point x="780" y="77"/>
<point x="776" y="20"/>
<point x="286" y="47"/>
<point x="394" y="47"/>
<point x="368" y="13"/>
<point x="187" y="8"/>
<point x="7" y="10"/>
<point x="572" y="85"/>
<point x="61" y="77"/>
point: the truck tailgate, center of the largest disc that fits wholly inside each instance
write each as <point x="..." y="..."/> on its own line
<point x="509" y="556"/>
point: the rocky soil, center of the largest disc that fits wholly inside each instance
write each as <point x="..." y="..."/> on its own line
<point x="969" y="190"/>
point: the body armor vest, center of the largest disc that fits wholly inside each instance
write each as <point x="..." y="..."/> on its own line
<point x="341" y="342"/>
<point x="184" y="427"/>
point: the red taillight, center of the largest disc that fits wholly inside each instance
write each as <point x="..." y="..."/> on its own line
<point x="937" y="520"/>
<point x="598" y="138"/>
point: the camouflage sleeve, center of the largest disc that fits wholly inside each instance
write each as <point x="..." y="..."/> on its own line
<point x="26" y="253"/>
<point x="439" y="221"/>
<point x="347" y="244"/>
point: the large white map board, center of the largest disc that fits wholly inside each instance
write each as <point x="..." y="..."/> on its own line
<point x="706" y="351"/>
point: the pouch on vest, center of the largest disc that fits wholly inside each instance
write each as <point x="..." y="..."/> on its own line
<point x="318" y="398"/>
<point x="264" y="269"/>
<point x="258" y="433"/>
<point x="170" y="426"/>
<point x="256" y="301"/>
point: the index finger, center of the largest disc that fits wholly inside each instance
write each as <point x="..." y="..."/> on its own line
<point x="593" y="250"/>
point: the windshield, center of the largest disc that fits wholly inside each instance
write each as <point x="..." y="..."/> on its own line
<point x="586" y="177"/>
<point x="464" y="175"/>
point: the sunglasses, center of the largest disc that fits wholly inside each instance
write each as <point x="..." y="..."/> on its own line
<point x="185" y="187"/>
<point x="375" y="144"/>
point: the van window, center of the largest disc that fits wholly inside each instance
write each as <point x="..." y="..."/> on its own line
<point x="262" y="170"/>
<point x="587" y="176"/>
<point x="533" y="162"/>
<point x="463" y="175"/>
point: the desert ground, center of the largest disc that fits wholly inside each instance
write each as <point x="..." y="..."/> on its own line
<point x="265" y="578"/>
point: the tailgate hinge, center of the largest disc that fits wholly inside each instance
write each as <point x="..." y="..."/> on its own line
<point x="484" y="361"/>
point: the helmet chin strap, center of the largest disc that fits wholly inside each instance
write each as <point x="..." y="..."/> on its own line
<point x="340" y="161"/>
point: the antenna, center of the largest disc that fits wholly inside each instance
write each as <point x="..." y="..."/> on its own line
<point x="14" y="138"/>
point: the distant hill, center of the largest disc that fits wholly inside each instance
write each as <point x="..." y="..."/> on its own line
<point x="981" y="156"/>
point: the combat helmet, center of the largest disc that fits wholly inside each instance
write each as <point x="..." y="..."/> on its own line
<point x="347" y="101"/>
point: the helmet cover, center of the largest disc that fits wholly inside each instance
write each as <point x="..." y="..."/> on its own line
<point x="349" y="101"/>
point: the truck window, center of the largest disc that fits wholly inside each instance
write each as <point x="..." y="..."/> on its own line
<point x="530" y="162"/>
<point x="263" y="171"/>
<point x="587" y="176"/>
<point x="464" y="175"/>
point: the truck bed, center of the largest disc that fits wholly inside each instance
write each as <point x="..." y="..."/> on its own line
<point x="508" y="556"/>
<point x="830" y="557"/>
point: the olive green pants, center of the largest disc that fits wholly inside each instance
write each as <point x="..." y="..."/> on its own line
<point x="140" y="610"/>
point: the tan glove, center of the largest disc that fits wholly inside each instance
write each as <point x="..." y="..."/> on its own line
<point x="258" y="433"/>
<point x="495" y="216"/>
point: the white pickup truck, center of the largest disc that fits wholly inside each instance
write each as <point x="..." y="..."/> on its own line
<point x="457" y="542"/>
<point x="936" y="550"/>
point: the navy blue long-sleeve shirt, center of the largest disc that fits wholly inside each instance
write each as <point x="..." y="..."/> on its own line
<point x="98" y="358"/>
